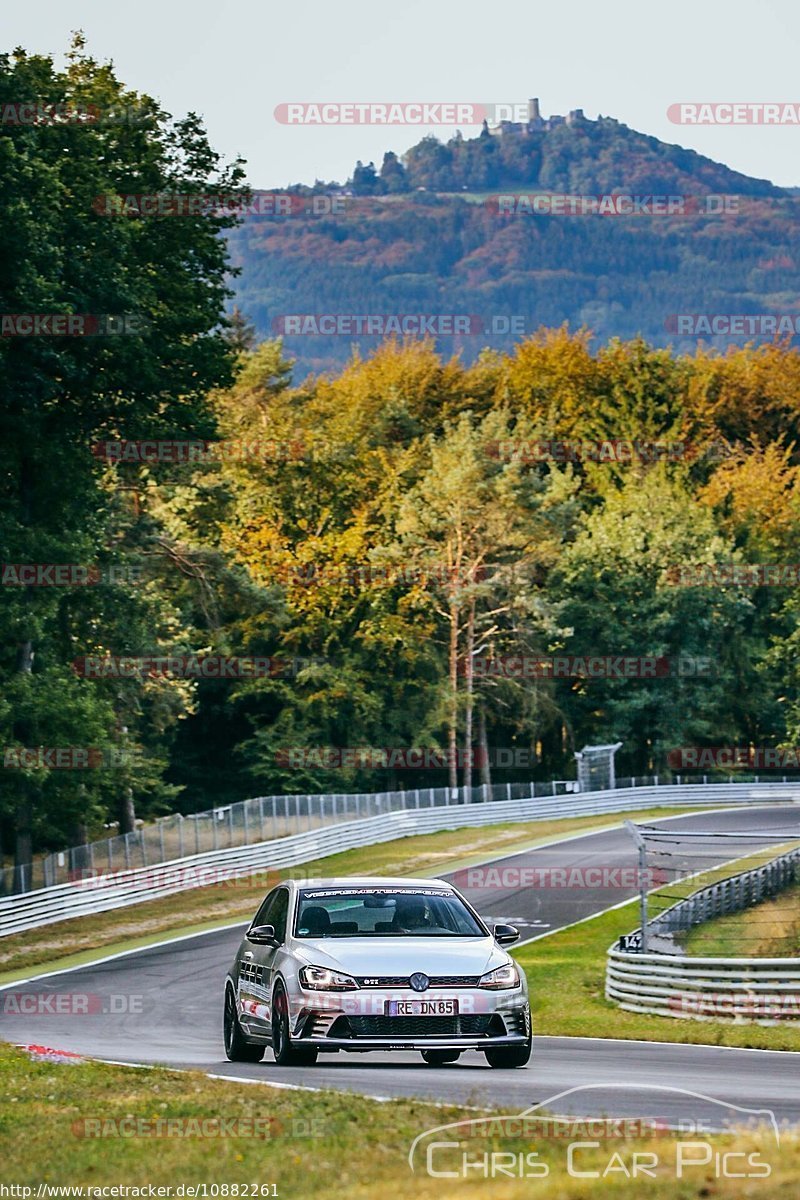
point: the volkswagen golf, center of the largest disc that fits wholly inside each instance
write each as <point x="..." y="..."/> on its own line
<point x="375" y="964"/>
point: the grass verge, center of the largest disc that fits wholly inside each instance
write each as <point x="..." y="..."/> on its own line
<point x="767" y="930"/>
<point x="70" y="943"/>
<point x="59" y="1125"/>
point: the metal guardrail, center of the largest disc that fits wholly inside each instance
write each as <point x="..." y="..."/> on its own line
<point x="120" y="889"/>
<point x="247" y="822"/>
<point x="706" y="989"/>
<point x="766" y="990"/>
<point x="730" y="895"/>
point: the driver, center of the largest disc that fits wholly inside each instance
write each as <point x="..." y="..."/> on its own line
<point x="411" y="912"/>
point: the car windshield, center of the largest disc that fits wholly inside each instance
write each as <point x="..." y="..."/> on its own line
<point x="383" y="912"/>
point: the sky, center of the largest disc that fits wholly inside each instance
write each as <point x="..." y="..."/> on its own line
<point x="235" y="63"/>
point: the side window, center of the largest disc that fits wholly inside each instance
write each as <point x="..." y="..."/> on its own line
<point x="278" y="913"/>
<point x="261" y="917"/>
<point x="274" y="911"/>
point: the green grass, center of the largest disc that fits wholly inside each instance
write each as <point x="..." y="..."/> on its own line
<point x="321" y="1144"/>
<point x="73" y="942"/>
<point x="767" y="930"/>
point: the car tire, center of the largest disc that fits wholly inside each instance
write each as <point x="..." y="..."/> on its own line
<point x="237" y="1047"/>
<point x="287" y="1055"/>
<point x="510" y="1056"/>
<point x="439" y="1058"/>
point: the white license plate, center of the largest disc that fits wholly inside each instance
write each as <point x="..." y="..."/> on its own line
<point x="421" y="1008"/>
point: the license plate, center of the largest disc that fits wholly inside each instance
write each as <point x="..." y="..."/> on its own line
<point x="421" y="1008"/>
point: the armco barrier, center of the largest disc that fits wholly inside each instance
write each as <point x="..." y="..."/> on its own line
<point x="730" y="895"/>
<point x="47" y="905"/>
<point x="766" y="990"/>
<point x="705" y="989"/>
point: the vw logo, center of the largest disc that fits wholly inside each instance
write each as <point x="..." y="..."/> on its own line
<point x="419" y="981"/>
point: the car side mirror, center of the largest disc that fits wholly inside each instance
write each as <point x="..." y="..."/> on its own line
<point x="504" y="935"/>
<point x="261" y="935"/>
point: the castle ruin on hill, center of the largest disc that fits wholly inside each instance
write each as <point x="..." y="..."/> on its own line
<point x="535" y="121"/>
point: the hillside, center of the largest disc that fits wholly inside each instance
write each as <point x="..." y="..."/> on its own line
<point x="427" y="236"/>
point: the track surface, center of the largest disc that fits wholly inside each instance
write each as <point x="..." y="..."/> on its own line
<point x="163" y="1005"/>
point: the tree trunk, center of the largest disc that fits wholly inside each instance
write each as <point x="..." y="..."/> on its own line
<point x="485" y="765"/>
<point x="453" y="731"/>
<point x="127" y="812"/>
<point x="23" y="816"/>
<point x="470" y="696"/>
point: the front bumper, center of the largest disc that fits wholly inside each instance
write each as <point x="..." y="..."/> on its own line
<point x="359" y="1020"/>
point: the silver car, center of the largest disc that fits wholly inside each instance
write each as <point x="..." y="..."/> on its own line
<point x="375" y="964"/>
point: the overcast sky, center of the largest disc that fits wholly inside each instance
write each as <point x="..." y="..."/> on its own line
<point x="233" y="63"/>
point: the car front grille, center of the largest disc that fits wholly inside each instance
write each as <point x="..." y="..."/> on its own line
<point x="401" y="981"/>
<point x="466" y="1025"/>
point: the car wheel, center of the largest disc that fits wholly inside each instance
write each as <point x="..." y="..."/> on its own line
<point x="237" y="1047"/>
<point x="287" y="1055"/>
<point x="438" y="1058"/>
<point x="510" y="1056"/>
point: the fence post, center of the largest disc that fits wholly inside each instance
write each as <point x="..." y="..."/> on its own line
<point x="230" y="825"/>
<point x="161" y="839"/>
<point x="261" y="818"/>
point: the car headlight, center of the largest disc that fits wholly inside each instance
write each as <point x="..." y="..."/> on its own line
<point x="500" y="977"/>
<point x="322" y="980"/>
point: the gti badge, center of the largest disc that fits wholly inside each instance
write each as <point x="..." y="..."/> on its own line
<point x="419" y="981"/>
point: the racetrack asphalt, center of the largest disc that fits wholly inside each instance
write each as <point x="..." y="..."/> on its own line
<point x="162" y="1005"/>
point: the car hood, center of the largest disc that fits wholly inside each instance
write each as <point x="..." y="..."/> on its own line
<point x="403" y="955"/>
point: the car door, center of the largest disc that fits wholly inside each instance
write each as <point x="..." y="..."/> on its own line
<point x="256" y="964"/>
